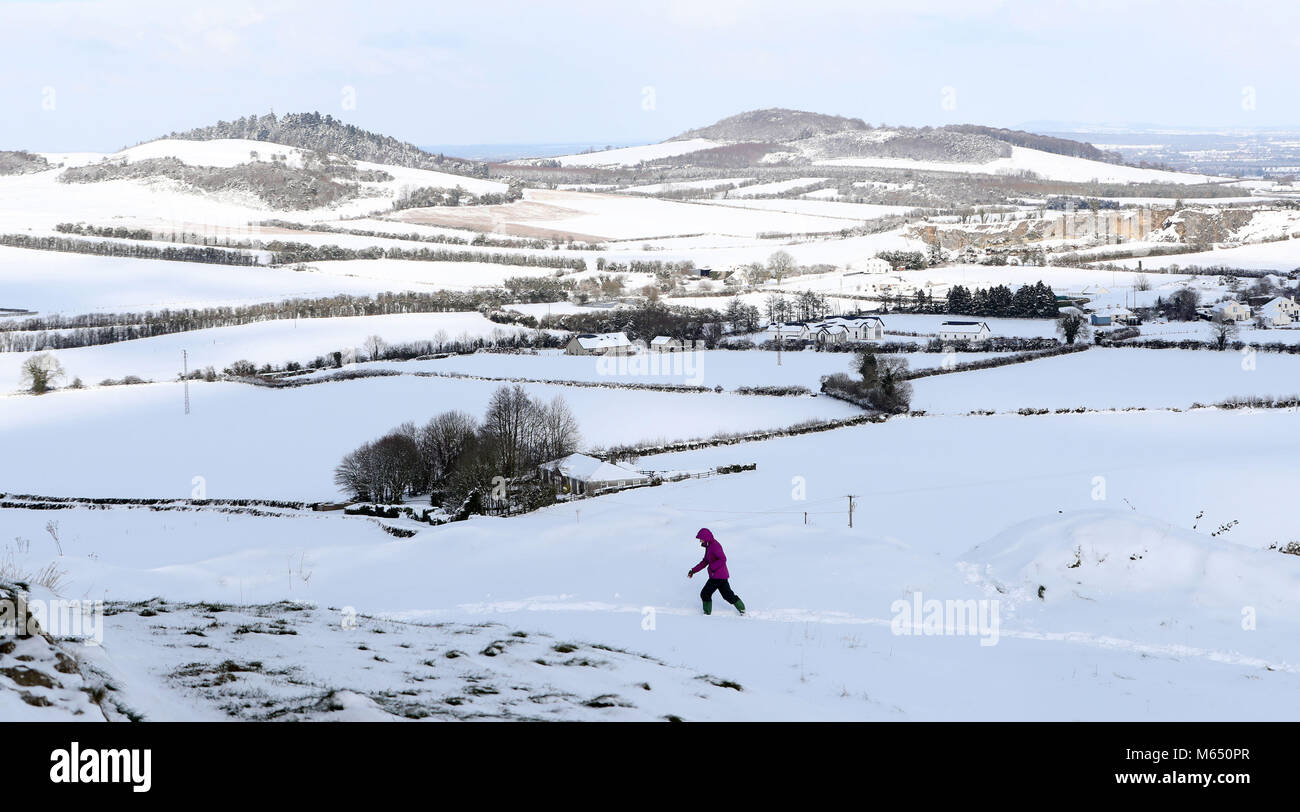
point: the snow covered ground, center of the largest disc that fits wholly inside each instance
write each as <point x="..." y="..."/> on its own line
<point x="776" y="187"/>
<point x="1047" y="165"/>
<point x="55" y="282"/>
<point x="820" y="208"/>
<point x="229" y="436"/>
<point x="1113" y="379"/>
<point x="1282" y="256"/>
<point x="1117" y="557"/>
<point x="630" y="156"/>
<point x="729" y="369"/>
<point x="38" y="200"/>
<point x="266" y="342"/>
<point x="1113" y="601"/>
<point x="682" y="185"/>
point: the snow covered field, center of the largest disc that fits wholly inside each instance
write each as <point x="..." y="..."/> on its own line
<point x="249" y="441"/>
<point x="775" y="187"/>
<point x="729" y="369"/>
<point x="630" y="156"/>
<point x="1047" y="165"/>
<point x="1108" y="608"/>
<point x="54" y="282"/>
<point x="820" y="208"/>
<point x="1113" y="379"/>
<point x="682" y="185"/>
<point x="267" y="342"/>
<point x="1282" y="256"/>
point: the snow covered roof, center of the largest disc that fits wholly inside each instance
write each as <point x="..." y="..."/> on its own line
<point x="851" y="321"/>
<point x="585" y="468"/>
<point x="1275" y="306"/>
<point x="659" y="341"/>
<point x="602" y="341"/>
<point x="964" y="326"/>
<point x="788" y="329"/>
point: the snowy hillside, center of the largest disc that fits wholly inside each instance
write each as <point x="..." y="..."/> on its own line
<point x="1042" y="164"/>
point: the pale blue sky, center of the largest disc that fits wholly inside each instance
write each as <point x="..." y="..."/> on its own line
<point x="100" y="75"/>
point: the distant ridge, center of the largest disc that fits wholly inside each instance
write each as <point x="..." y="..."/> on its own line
<point x="853" y="136"/>
<point x="773" y="124"/>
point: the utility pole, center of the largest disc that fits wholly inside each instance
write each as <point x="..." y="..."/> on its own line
<point x="185" y="376"/>
<point x="851" y="498"/>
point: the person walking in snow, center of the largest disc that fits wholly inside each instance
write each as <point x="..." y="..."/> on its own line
<point x="716" y="561"/>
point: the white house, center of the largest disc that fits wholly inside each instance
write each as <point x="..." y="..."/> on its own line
<point x="1279" y="312"/>
<point x="971" y="331"/>
<point x="873" y="265"/>
<point x="791" y="331"/>
<point x="581" y="474"/>
<point x="1231" y="311"/>
<point x="599" y="344"/>
<point x="831" y="334"/>
<point x="665" y="344"/>
<point x="859" y="328"/>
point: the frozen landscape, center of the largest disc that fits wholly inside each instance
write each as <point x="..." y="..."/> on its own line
<point x="303" y="422"/>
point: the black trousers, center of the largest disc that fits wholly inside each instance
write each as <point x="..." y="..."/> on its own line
<point x="717" y="585"/>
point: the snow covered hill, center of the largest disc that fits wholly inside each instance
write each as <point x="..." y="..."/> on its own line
<point x="1140" y="616"/>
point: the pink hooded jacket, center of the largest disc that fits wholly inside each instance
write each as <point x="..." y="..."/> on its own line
<point x="714" y="558"/>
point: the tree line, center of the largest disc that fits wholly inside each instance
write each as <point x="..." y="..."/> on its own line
<point x="92" y="329"/>
<point x="288" y="253"/>
<point x="130" y="250"/>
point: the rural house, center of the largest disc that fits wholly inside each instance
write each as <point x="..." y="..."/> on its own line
<point x="972" y="331"/>
<point x="873" y="265"/>
<point x="1231" y="311"/>
<point x="598" y="344"/>
<point x="788" y="331"/>
<point x="666" y="344"/>
<point x="828" y="333"/>
<point x="1276" y="313"/>
<point x="583" y="474"/>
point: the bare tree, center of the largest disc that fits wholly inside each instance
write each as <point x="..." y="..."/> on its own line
<point x="442" y="441"/>
<point x="558" y="434"/>
<point x="40" y="372"/>
<point x="510" y="422"/>
<point x="1223" y="331"/>
<point x="374" y="346"/>
<point x="781" y="264"/>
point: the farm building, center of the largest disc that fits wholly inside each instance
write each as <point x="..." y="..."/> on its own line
<point x="971" y="331"/>
<point x="598" y="344"/>
<point x="1099" y="320"/>
<point x="666" y="344"/>
<point x="789" y="331"/>
<point x="581" y="474"/>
